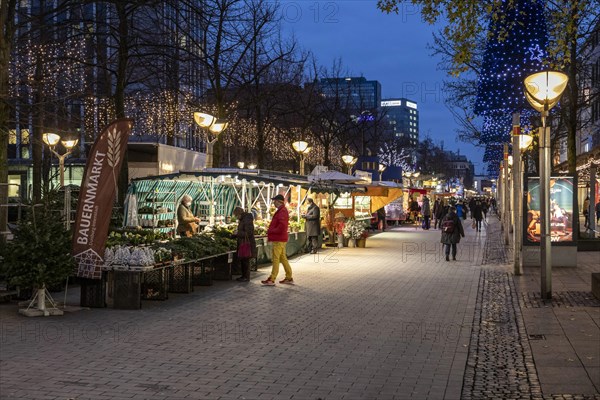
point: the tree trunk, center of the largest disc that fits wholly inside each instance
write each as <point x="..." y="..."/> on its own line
<point x="119" y="95"/>
<point x="7" y="15"/>
<point x="37" y="142"/>
<point x="573" y="108"/>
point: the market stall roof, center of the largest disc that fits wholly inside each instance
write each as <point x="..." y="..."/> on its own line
<point x="258" y="175"/>
<point x="334" y="177"/>
<point x="383" y="193"/>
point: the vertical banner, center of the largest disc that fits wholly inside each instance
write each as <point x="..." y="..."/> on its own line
<point x="96" y="197"/>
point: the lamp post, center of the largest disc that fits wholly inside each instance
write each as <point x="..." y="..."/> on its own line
<point x="381" y="169"/>
<point x="301" y="147"/>
<point x="543" y="91"/>
<point x="349" y="161"/>
<point x="52" y="139"/>
<point x="215" y="126"/>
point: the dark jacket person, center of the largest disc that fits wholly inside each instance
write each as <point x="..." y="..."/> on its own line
<point x="245" y="233"/>
<point x="452" y="231"/>
<point x="313" y="225"/>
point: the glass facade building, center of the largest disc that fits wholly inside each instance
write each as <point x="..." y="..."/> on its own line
<point x="402" y="116"/>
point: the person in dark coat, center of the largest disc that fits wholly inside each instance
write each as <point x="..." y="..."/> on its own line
<point x="245" y="233"/>
<point x="452" y="231"/>
<point x="426" y="211"/>
<point x="434" y="212"/>
<point x="313" y="225"/>
<point x="477" y="213"/>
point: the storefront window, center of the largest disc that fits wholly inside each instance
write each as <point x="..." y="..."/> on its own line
<point x="14" y="185"/>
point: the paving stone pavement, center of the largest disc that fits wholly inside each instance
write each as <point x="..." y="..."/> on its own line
<point x="392" y="321"/>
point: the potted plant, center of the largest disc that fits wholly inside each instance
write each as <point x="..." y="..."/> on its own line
<point x="362" y="241"/>
<point x="354" y="231"/>
<point x="38" y="257"/>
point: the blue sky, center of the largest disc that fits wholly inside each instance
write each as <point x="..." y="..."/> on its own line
<point x="389" y="48"/>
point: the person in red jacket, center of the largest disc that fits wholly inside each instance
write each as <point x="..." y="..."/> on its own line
<point x="278" y="235"/>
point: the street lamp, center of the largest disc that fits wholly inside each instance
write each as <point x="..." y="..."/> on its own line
<point x="215" y="126"/>
<point x="241" y="165"/>
<point x="381" y="169"/>
<point x="301" y="147"/>
<point x="543" y="91"/>
<point x="349" y="161"/>
<point x="52" y="139"/>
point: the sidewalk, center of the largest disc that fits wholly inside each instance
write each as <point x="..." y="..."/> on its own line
<point x="391" y="321"/>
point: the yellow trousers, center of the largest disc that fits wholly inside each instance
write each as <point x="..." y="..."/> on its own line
<point x="279" y="255"/>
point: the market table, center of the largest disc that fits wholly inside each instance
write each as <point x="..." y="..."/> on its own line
<point x="124" y="287"/>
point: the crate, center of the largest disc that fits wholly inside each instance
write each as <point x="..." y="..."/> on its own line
<point x="180" y="278"/>
<point x="93" y="292"/>
<point x="201" y="273"/>
<point x="155" y="284"/>
<point x="124" y="290"/>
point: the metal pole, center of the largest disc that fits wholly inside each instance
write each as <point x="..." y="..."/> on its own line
<point x="517" y="226"/>
<point x="301" y="164"/>
<point x="209" y="155"/>
<point x="545" y="246"/>
<point x="506" y="198"/>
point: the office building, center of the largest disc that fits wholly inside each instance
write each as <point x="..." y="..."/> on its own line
<point x="402" y="117"/>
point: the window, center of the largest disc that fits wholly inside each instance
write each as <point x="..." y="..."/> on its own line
<point x="12" y="136"/>
<point x="24" y="136"/>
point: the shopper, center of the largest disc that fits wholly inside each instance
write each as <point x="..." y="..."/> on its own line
<point x="434" y="212"/>
<point x="187" y="223"/>
<point x="246" y="243"/>
<point x="278" y="235"/>
<point x="477" y="214"/>
<point x="439" y="214"/>
<point x="313" y="225"/>
<point x="586" y="212"/>
<point x="426" y="210"/>
<point x="452" y="231"/>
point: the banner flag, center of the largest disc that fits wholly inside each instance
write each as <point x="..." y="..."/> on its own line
<point x="96" y="197"/>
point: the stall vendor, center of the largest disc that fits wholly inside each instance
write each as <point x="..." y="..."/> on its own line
<point x="187" y="222"/>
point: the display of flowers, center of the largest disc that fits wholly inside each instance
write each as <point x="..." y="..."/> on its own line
<point x="354" y="229"/>
<point x="129" y="256"/>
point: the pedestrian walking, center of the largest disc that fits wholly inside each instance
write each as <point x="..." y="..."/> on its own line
<point x="494" y="205"/>
<point x="246" y="243"/>
<point x="452" y="231"/>
<point x="313" y="225"/>
<point x="278" y="235"/>
<point x="426" y="210"/>
<point x="440" y="212"/>
<point x="434" y="211"/>
<point x="586" y="212"/>
<point x="477" y="214"/>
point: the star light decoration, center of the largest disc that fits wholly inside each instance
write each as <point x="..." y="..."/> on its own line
<point x="515" y="49"/>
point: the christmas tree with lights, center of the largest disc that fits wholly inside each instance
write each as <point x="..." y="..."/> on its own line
<point x="516" y="48"/>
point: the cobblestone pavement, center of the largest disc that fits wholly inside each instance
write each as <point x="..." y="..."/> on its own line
<point x="500" y="363"/>
<point x="503" y="352"/>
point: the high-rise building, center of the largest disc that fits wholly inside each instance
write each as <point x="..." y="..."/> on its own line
<point x="402" y="115"/>
<point x="358" y="93"/>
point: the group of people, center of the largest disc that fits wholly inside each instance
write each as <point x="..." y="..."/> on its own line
<point x="277" y="234"/>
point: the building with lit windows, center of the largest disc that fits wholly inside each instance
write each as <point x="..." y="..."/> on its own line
<point x="357" y="93"/>
<point x="402" y="117"/>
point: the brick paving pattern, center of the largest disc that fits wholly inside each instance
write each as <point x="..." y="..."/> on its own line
<point x="559" y="299"/>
